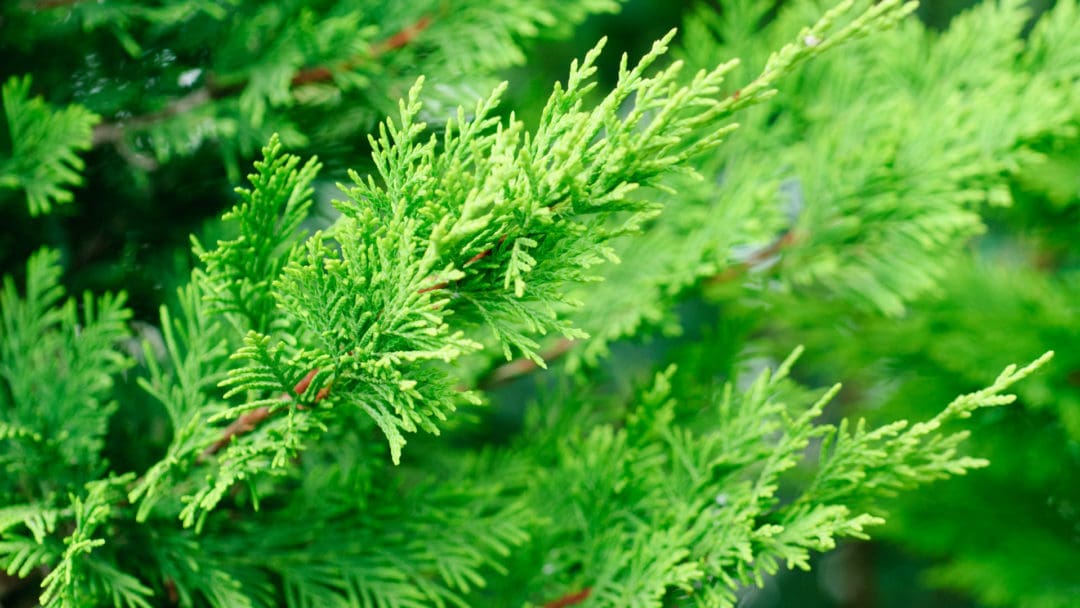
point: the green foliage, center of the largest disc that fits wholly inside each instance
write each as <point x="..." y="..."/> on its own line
<point x="1008" y="100"/>
<point x="890" y="148"/>
<point x="255" y="455"/>
<point x="1033" y="450"/>
<point x="680" y="497"/>
<point x="241" y="271"/>
<point x="80" y="578"/>
<point x="53" y="353"/>
<point x="42" y="159"/>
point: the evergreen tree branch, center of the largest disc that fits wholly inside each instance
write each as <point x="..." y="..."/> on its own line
<point x="926" y="158"/>
<point x="702" y="514"/>
<point x="50" y="352"/>
<point x="113" y="132"/>
<point x="523" y="366"/>
<point x="546" y="204"/>
<point x="44" y="144"/>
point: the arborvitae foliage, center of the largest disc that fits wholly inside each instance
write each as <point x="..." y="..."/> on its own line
<point x="43" y="160"/>
<point x="314" y="422"/>
<point x="983" y="113"/>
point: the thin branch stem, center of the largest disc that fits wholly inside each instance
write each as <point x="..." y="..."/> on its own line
<point x="756" y="258"/>
<point x="251" y="420"/>
<point x="113" y="132"/>
<point x="244" y="424"/>
<point x="522" y="367"/>
<point x="570" y="599"/>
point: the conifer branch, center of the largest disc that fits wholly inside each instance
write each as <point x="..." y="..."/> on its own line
<point x="517" y="368"/>
<point x="522" y="366"/>
<point x="44" y="144"/>
<point x="113" y="132"/>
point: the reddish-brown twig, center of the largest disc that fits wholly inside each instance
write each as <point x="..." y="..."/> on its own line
<point x="244" y="424"/>
<point x="171" y="592"/>
<point x="571" y="599"/>
<point x="434" y="287"/>
<point x="483" y="254"/>
<point x="758" y="257"/>
<point x="248" y="421"/>
<point x="399" y="40"/>
<point x="521" y="367"/>
<point x="402" y="37"/>
<point x="305" y="382"/>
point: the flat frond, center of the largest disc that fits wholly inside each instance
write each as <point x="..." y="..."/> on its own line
<point x="44" y="159"/>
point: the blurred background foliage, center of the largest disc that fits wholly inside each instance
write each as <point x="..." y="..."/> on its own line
<point x="971" y="541"/>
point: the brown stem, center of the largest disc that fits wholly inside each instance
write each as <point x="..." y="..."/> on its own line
<point x="112" y="132"/>
<point x="401" y="38"/>
<point x="250" y="420"/>
<point x="435" y="287"/>
<point x="521" y="367"/>
<point x="171" y="592"/>
<point x="244" y="424"/>
<point x="305" y="382"/>
<point x="570" y="599"/>
<point x="758" y="257"/>
<point x="398" y="40"/>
